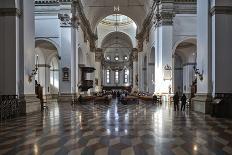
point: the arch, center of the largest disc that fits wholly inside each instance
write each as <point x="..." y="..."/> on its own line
<point x="184" y="59"/>
<point x="50" y="41"/>
<point x="185" y="39"/>
<point x="48" y="59"/>
<point x="97" y="21"/>
<point x="121" y="35"/>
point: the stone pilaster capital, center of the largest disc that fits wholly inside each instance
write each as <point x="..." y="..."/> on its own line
<point x="65" y="20"/>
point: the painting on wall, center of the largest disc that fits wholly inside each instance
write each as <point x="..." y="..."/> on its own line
<point x="65" y="73"/>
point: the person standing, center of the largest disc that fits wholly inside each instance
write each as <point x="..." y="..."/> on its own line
<point x="183" y="102"/>
<point x="176" y="101"/>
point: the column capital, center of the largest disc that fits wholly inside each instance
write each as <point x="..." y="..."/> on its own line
<point x="65" y="20"/>
<point x="164" y="13"/>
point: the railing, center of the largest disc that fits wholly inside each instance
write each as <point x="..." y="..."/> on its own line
<point x="10" y="106"/>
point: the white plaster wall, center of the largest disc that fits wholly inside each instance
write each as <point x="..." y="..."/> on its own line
<point x="66" y="49"/>
<point x="47" y="26"/>
<point x="184" y="26"/>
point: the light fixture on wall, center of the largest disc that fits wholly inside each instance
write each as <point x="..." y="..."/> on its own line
<point x="35" y="70"/>
<point x="196" y="70"/>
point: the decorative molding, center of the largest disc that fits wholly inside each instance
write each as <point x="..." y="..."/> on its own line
<point x="65" y="20"/>
<point x="85" y="25"/>
<point x="51" y="2"/>
<point x="144" y="33"/>
<point x="10" y="12"/>
<point x="163" y="12"/>
<point x="164" y="18"/>
<point x="221" y="10"/>
<point x="44" y="65"/>
<point x="190" y="64"/>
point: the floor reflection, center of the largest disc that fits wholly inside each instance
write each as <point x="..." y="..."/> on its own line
<point x="115" y="129"/>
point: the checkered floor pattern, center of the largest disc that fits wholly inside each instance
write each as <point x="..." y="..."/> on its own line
<point x="115" y="129"/>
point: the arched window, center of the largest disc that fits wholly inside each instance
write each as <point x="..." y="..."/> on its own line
<point x="107" y="58"/>
<point x="108" y="76"/>
<point x="116" y="78"/>
<point x="126" y="75"/>
<point x="125" y="57"/>
<point x="116" y="58"/>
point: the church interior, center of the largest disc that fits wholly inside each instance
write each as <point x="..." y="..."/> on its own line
<point x="115" y="77"/>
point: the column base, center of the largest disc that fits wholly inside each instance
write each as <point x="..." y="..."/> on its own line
<point x="65" y="97"/>
<point x="202" y="103"/>
<point x="31" y="104"/>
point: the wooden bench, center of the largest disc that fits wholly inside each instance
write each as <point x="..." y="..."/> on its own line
<point x="102" y="99"/>
<point x="130" y="99"/>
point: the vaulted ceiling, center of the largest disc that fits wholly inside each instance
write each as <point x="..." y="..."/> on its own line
<point x="96" y="10"/>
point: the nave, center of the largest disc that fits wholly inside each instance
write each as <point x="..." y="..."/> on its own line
<point x="116" y="129"/>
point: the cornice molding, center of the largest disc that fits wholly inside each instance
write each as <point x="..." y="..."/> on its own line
<point x="221" y="10"/>
<point x="10" y="12"/>
<point x="52" y="2"/>
<point x="144" y="33"/>
<point x="85" y="26"/>
<point x="162" y="13"/>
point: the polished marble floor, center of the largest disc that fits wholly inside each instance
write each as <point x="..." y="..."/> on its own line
<point x="116" y="129"/>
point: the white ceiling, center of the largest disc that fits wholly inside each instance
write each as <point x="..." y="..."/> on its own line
<point x="96" y="10"/>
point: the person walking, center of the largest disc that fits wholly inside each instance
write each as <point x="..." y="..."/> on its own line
<point x="183" y="102"/>
<point x="176" y="101"/>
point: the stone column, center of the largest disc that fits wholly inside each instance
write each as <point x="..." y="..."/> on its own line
<point x="188" y="77"/>
<point x="98" y="72"/>
<point x="221" y="12"/>
<point x="201" y="102"/>
<point x="17" y="58"/>
<point x="140" y="72"/>
<point x="67" y="85"/>
<point x="10" y="82"/>
<point x="135" y="69"/>
<point x="164" y="24"/>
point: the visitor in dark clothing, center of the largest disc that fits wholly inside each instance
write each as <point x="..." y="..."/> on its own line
<point x="176" y="101"/>
<point x="183" y="102"/>
<point x="154" y="99"/>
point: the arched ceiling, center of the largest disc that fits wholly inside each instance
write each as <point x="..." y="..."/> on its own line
<point x="187" y="49"/>
<point x="115" y="38"/>
<point x="96" y="10"/>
